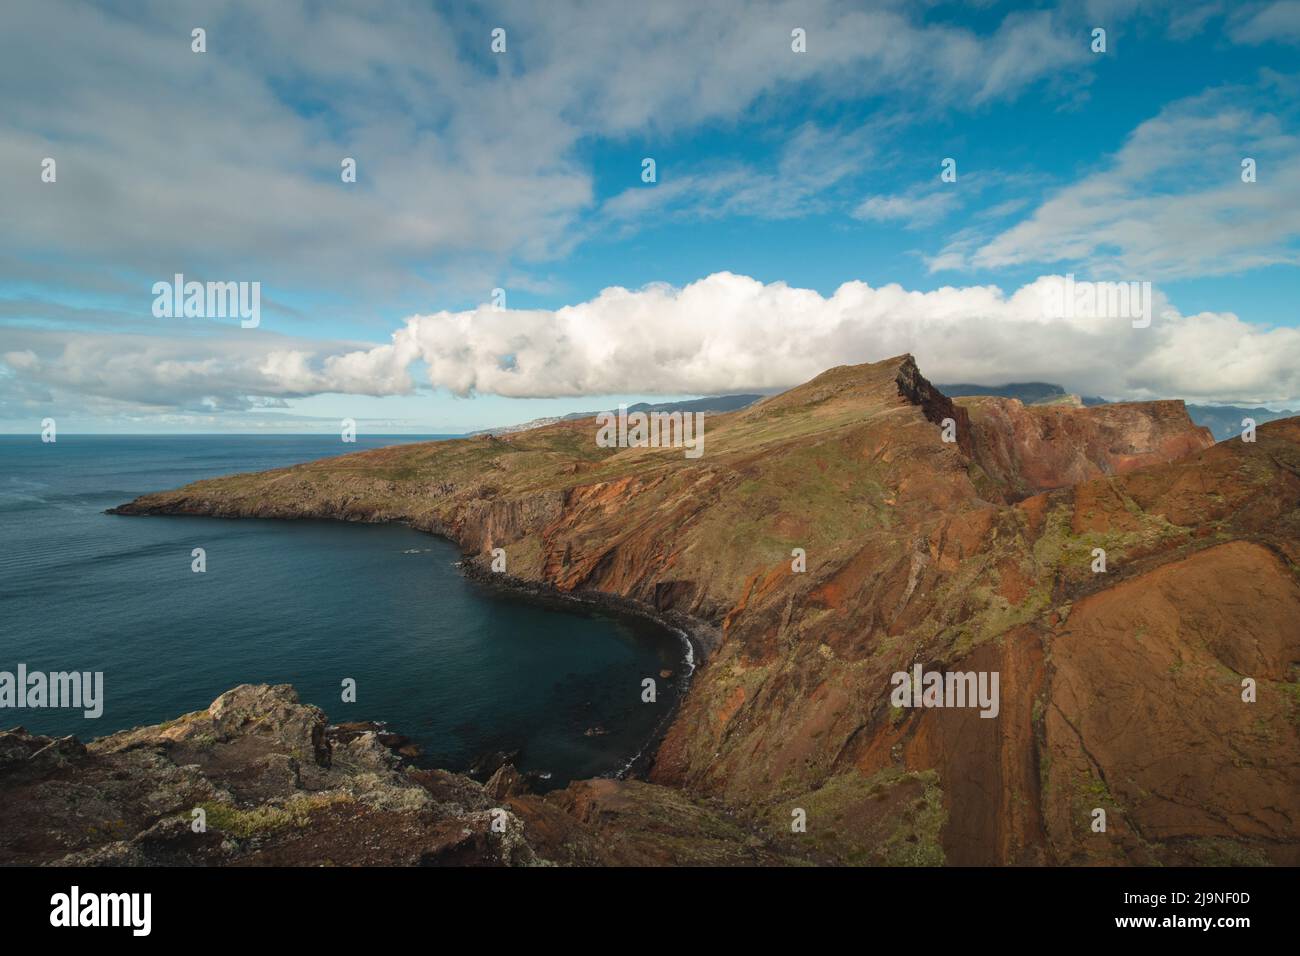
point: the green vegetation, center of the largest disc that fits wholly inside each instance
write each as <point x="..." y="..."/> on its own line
<point x="295" y="812"/>
<point x="893" y="818"/>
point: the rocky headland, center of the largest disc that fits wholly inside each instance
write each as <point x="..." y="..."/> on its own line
<point x="1121" y="689"/>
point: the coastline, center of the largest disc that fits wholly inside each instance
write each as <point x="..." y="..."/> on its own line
<point x="699" y="638"/>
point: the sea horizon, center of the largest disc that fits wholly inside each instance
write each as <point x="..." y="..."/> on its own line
<point x="462" y="669"/>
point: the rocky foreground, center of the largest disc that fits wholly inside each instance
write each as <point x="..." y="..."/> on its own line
<point x="260" y="779"/>
<point x="1121" y="689"/>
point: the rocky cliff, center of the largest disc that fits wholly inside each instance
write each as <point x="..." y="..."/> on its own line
<point x="1033" y="448"/>
<point x="829" y="538"/>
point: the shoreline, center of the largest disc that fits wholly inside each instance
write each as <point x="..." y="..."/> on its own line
<point x="698" y="637"/>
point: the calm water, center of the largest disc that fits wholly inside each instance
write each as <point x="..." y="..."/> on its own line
<point x="458" y="668"/>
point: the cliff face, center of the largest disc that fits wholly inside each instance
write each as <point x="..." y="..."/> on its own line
<point x="1033" y="448"/>
<point x="1119" y="690"/>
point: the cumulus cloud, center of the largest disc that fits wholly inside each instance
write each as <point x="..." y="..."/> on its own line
<point x="116" y="371"/>
<point x="723" y="333"/>
<point x="733" y="333"/>
<point x="471" y="166"/>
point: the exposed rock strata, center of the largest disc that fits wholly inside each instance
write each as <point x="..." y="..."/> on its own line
<point x="1033" y="448"/>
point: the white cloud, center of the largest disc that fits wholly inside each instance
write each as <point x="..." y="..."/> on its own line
<point x="228" y="162"/>
<point x="1275" y="22"/>
<point x="198" y="372"/>
<point x="23" y="361"/>
<point x="911" y="210"/>
<point x="729" y="333"/>
<point x="1171" y="203"/>
<point x="723" y="333"/>
<point x="812" y="161"/>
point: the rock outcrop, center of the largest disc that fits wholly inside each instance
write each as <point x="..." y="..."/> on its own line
<point x="259" y="779"/>
<point x="830" y="538"/>
<point x="256" y="779"/>
<point x="1033" y="448"/>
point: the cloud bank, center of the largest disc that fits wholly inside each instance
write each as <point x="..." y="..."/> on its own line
<point x="733" y="333"/>
<point x="723" y="333"/>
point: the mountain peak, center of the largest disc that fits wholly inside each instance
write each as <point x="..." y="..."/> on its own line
<point x="874" y="383"/>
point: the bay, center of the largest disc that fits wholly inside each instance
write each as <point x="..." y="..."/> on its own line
<point x="460" y="668"/>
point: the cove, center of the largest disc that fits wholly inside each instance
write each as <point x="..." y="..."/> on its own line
<point x="461" y="668"/>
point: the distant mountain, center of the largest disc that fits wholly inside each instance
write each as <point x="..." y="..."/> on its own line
<point x="714" y="404"/>
<point x="1031" y="393"/>
<point x="1223" y="421"/>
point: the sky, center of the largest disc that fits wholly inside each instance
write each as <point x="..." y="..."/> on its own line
<point x="503" y="253"/>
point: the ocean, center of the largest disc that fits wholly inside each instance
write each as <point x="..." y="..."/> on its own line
<point x="460" y="668"/>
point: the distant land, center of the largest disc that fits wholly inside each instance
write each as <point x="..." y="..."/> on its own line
<point x="1031" y="393"/>
<point x="715" y="404"/>
<point x="1223" y="421"/>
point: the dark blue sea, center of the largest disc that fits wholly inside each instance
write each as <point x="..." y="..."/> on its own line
<point x="461" y="669"/>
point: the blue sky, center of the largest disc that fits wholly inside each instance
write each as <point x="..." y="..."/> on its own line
<point x="798" y="219"/>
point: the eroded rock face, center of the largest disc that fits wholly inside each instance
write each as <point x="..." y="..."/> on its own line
<point x="972" y="555"/>
<point x="1145" y="716"/>
<point x="1033" y="448"/>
